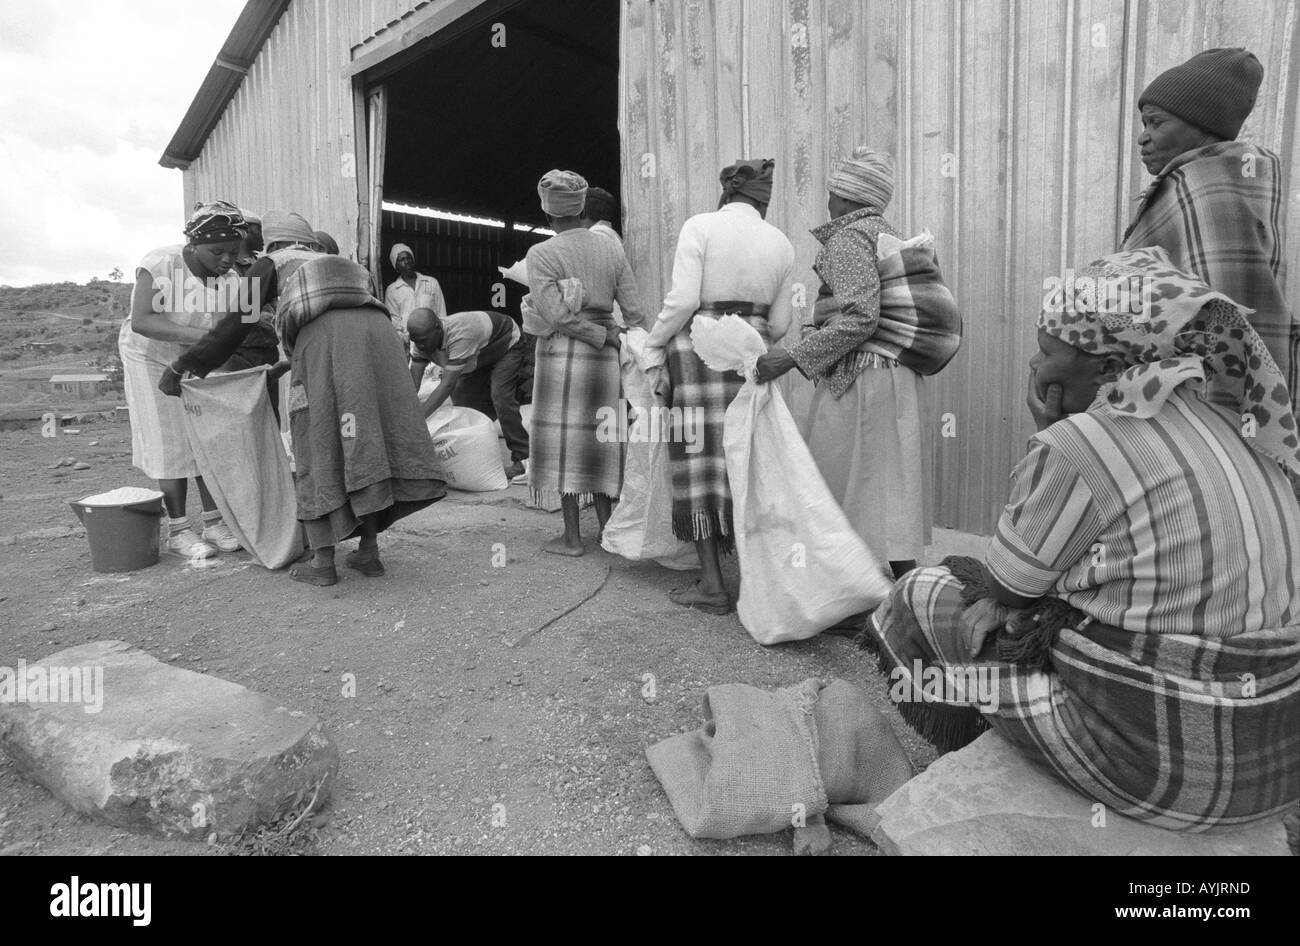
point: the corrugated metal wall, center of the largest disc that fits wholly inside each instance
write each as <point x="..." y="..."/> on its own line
<point x="287" y="138"/>
<point x="1012" y="124"/>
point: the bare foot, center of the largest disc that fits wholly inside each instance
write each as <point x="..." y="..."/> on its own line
<point x="561" y="546"/>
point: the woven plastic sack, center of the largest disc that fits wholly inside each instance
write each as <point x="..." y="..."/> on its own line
<point x="802" y="567"/>
<point x="466" y="447"/>
<point x="242" y="460"/>
<point x="641" y="525"/>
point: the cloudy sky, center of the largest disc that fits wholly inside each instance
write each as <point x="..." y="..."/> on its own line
<point x="90" y="93"/>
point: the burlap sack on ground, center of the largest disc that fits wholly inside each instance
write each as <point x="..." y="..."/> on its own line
<point x="751" y="766"/>
<point x="765" y="758"/>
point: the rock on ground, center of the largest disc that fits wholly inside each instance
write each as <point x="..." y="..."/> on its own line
<point x="988" y="799"/>
<point x="170" y="752"/>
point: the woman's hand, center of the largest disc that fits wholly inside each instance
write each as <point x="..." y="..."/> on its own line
<point x="171" y="382"/>
<point x="1046" y="410"/>
<point x="659" y="386"/>
<point x="613" y="334"/>
<point x="772" y="365"/>
<point x="982" y="617"/>
<point x="277" y="369"/>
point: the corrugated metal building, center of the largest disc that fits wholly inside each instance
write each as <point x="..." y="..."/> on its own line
<point x="1013" y="124"/>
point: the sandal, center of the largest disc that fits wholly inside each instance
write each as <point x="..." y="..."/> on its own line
<point x="708" y="602"/>
<point x="310" y="575"/>
<point x="371" y="567"/>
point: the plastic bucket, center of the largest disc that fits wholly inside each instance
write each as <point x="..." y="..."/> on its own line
<point x="122" y="537"/>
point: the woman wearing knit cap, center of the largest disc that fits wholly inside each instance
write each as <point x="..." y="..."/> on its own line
<point x="574" y="279"/>
<point x="178" y="296"/>
<point x="1216" y="205"/>
<point x="865" y="418"/>
<point x="411" y="290"/>
<point x="729" y="260"/>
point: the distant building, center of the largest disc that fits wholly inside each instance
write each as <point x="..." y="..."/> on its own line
<point x="81" y="386"/>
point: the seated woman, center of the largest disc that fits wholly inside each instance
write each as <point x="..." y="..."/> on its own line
<point x="1138" y="610"/>
<point x="363" y="455"/>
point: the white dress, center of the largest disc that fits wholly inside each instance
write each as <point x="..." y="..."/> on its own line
<point x="160" y="447"/>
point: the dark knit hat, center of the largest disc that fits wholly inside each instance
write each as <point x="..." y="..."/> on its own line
<point x="1214" y="90"/>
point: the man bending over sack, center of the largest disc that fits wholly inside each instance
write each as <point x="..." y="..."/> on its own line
<point x="480" y="354"/>
<point x="1137" y="612"/>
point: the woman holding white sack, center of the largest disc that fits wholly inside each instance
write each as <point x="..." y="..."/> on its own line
<point x="864" y="425"/>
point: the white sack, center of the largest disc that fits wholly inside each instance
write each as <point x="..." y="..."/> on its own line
<point x="641" y="526"/>
<point x="466" y="447"/>
<point x="802" y="567"/>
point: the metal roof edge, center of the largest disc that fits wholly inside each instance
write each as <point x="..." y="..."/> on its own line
<point x="255" y="24"/>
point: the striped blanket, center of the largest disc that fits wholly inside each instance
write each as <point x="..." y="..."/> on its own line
<point x="316" y="287"/>
<point x="1185" y="732"/>
<point x="1218" y="211"/>
<point x="919" y="321"/>
<point x="701" y="493"/>
<point x="572" y="381"/>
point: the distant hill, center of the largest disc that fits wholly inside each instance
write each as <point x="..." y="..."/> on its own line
<point x="54" y="328"/>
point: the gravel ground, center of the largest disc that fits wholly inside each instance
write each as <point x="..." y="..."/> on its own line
<point x="470" y="731"/>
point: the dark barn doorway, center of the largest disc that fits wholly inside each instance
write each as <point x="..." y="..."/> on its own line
<point x="471" y="126"/>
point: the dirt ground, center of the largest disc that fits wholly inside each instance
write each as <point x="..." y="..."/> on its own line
<point x="459" y="715"/>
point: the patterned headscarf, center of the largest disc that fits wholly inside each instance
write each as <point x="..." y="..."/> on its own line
<point x="1183" y="331"/>
<point x="749" y="178"/>
<point x="866" y="178"/>
<point x="563" y="193"/>
<point x="215" y="222"/>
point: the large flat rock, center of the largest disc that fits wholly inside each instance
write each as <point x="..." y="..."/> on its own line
<point x="989" y="799"/>
<point x="169" y="752"/>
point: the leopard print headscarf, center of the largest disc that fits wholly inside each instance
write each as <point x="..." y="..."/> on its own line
<point x="1171" y="329"/>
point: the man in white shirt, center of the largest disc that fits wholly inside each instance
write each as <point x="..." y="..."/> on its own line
<point x="411" y="290"/>
<point x="729" y="260"/>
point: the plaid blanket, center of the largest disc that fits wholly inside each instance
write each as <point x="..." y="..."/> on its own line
<point x="701" y="493"/>
<point x="572" y="381"/>
<point x="1181" y="731"/>
<point x="919" y="321"/>
<point x="1218" y="212"/>
<point x="318" y="285"/>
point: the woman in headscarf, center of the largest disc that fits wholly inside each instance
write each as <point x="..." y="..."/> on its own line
<point x="1135" y="624"/>
<point x="411" y="290"/>
<point x="362" y="454"/>
<point x="180" y="292"/>
<point x="729" y="260"/>
<point x="237" y="342"/>
<point x="574" y="279"/>
<point x="864" y="423"/>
